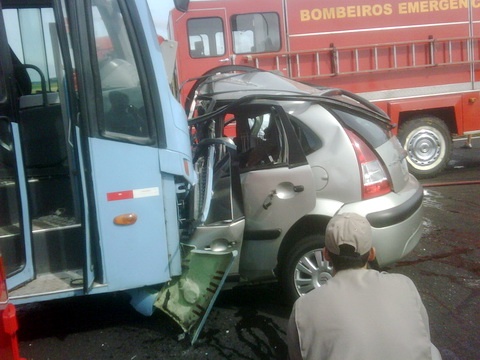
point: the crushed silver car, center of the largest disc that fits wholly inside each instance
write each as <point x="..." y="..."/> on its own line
<point x="286" y="157"/>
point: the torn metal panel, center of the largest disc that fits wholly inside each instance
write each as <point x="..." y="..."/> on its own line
<point x="189" y="298"/>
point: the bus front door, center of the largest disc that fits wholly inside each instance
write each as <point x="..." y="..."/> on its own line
<point x="41" y="231"/>
<point x="122" y="134"/>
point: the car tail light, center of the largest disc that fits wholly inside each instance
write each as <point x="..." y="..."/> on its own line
<point x="374" y="178"/>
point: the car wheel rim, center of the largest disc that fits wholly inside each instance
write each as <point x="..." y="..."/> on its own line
<point x="311" y="272"/>
<point x="426" y="147"/>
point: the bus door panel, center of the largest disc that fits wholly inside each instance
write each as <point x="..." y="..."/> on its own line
<point x="15" y="238"/>
<point x="130" y="213"/>
<point x="53" y="232"/>
<point x="120" y="131"/>
<point x="15" y="228"/>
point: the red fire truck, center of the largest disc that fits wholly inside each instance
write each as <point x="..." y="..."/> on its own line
<point x="8" y="322"/>
<point x="417" y="60"/>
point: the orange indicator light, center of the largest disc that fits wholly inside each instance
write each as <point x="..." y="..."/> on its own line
<point x="125" y="219"/>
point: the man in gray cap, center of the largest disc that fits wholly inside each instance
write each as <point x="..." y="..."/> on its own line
<point x="359" y="313"/>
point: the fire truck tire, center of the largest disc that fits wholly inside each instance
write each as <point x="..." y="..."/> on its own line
<point x="304" y="268"/>
<point x="428" y="144"/>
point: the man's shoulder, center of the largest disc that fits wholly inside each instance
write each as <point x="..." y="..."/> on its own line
<point x="385" y="276"/>
<point x="392" y="276"/>
<point x="393" y="280"/>
<point x="373" y="279"/>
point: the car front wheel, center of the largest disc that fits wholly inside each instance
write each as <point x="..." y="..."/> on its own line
<point x="304" y="267"/>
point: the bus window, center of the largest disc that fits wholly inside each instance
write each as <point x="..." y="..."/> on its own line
<point x="34" y="49"/>
<point x="206" y="37"/>
<point x="123" y="101"/>
<point x="255" y="33"/>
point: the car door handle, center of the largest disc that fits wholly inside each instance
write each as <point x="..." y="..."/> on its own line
<point x="268" y="200"/>
<point x="284" y="192"/>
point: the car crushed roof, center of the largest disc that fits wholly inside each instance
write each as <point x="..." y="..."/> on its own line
<point x="234" y="86"/>
<point x="259" y="84"/>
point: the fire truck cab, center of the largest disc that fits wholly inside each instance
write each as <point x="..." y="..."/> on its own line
<point x="417" y="60"/>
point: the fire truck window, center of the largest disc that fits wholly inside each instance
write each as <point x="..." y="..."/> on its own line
<point x="255" y="33"/>
<point x="206" y="37"/>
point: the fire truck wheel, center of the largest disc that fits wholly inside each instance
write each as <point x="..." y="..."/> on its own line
<point x="428" y="143"/>
<point x="304" y="267"/>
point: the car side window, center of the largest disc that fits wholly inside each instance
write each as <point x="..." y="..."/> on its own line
<point x="260" y="139"/>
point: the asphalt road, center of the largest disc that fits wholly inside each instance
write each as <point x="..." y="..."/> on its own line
<point x="250" y="322"/>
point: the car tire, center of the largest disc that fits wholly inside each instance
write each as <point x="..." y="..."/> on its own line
<point x="304" y="267"/>
<point x="428" y="143"/>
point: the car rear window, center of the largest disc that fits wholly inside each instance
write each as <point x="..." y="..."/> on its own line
<point x="372" y="130"/>
<point x="308" y="140"/>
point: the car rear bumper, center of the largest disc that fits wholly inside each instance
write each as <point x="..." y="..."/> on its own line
<point x="394" y="242"/>
<point x="396" y="220"/>
<point x="397" y="214"/>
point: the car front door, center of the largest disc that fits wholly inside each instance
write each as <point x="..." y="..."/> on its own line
<point x="277" y="183"/>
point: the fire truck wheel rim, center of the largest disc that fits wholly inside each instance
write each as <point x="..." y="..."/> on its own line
<point x="428" y="143"/>
<point x="425" y="147"/>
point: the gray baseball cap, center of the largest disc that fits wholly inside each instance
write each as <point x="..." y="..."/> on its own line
<point x="351" y="229"/>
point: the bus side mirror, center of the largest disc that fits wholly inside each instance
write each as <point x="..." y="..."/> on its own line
<point x="182" y="5"/>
